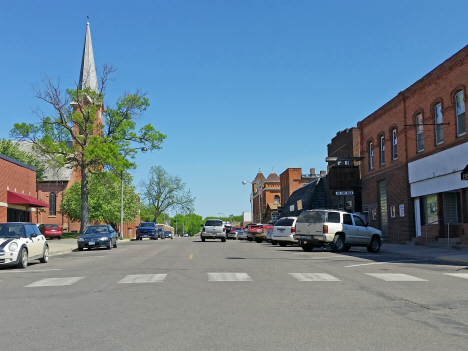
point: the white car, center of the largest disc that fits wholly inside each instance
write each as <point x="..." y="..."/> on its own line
<point x="213" y="229"/>
<point x="283" y="231"/>
<point x="21" y="242"/>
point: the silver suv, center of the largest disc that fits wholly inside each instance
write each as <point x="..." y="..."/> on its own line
<point x="213" y="229"/>
<point x="337" y="229"/>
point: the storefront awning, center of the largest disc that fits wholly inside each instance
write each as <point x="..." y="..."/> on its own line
<point x="21" y="199"/>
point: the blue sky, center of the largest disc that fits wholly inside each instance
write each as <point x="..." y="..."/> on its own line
<point x="236" y="86"/>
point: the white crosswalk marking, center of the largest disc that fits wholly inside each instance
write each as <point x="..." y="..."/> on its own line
<point x="54" y="282"/>
<point x="314" y="277"/>
<point x="396" y="277"/>
<point x="229" y="277"/>
<point x="143" y="278"/>
<point x="458" y="275"/>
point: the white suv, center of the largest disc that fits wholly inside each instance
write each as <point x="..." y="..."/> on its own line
<point x="337" y="229"/>
<point x="283" y="231"/>
<point x="213" y="229"/>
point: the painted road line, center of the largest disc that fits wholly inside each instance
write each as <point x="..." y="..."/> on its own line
<point x="229" y="277"/>
<point x="190" y="257"/>
<point x="458" y="275"/>
<point x="32" y="270"/>
<point x="314" y="277"/>
<point x="396" y="277"/>
<point x="143" y="278"/>
<point x="54" y="282"/>
<point x="372" y="263"/>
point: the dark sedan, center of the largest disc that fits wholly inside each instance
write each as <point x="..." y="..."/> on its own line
<point x="98" y="236"/>
<point x="147" y="230"/>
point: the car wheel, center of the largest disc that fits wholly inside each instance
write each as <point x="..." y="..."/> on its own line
<point x="45" y="256"/>
<point x="80" y="249"/>
<point x="258" y="240"/>
<point x="338" y="244"/>
<point x="23" y="258"/>
<point x="274" y="243"/>
<point x="223" y="240"/>
<point x="346" y="248"/>
<point x="283" y="244"/>
<point x="109" y="246"/>
<point x="203" y="239"/>
<point x="115" y="244"/>
<point x="374" y="245"/>
<point x="60" y="238"/>
<point x="307" y="247"/>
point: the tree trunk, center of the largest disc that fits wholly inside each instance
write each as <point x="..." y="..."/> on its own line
<point x="84" y="199"/>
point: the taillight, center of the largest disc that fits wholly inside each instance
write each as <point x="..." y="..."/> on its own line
<point x="224" y="229"/>
<point x="293" y="229"/>
<point x="325" y="229"/>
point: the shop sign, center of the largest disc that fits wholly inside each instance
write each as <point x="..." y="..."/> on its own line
<point x="464" y="173"/>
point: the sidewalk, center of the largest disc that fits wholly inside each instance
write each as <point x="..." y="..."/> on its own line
<point x="58" y="247"/>
<point x="424" y="252"/>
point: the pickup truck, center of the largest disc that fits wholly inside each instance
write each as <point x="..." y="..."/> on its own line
<point x="213" y="229"/>
<point x="338" y="229"/>
<point x="258" y="232"/>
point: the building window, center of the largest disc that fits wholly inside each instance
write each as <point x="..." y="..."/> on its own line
<point x="439" y="128"/>
<point x="460" y="110"/>
<point x="419" y="132"/>
<point x="52" y="204"/>
<point x="429" y="210"/>
<point x="382" y="150"/>
<point x="394" y="144"/>
<point x="277" y="199"/>
<point x="371" y="156"/>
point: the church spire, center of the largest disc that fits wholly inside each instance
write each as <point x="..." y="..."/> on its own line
<point x="88" y="77"/>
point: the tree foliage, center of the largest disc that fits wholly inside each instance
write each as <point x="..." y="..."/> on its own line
<point x="81" y="133"/>
<point x="165" y="192"/>
<point x="189" y="223"/>
<point x="104" y="199"/>
<point x="11" y="149"/>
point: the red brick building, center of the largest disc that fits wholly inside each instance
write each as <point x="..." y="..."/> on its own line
<point x="265" y="197"/>
<point x="414" y="148"/>
<point x="18" y="197"/>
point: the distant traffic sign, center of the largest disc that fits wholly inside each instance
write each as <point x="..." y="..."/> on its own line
<point x="349" y="192"/>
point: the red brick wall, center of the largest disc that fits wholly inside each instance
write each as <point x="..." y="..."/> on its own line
<point x="290" y="180"/>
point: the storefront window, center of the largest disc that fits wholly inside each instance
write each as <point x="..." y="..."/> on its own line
<point x="429" y="210"/>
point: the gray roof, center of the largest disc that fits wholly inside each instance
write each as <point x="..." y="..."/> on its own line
<point x="51" y="173"/>
<point x="88" y="77"/>
<point x="313" y="195"/>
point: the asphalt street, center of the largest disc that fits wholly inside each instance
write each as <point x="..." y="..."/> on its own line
<point x="183" y="294"/>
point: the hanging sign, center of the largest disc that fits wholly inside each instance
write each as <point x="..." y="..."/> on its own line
<point x="464" y="173"/>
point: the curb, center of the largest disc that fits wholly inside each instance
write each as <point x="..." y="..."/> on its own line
<point x="452" y="259"/>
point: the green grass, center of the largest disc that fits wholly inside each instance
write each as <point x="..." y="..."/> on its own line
<point x="70" y="235"/>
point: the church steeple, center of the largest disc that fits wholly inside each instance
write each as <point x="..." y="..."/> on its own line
<point x="88" y="77"/>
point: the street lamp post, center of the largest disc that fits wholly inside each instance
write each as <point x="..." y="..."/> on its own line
<point x="221" y="213"/>
<point x="259" y="184"/>
<point x="143" y="149"/>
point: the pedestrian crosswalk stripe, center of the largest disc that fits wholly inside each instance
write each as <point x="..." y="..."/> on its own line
<point x="458" y="275"/>
<point x="54" y="282"/>
<point x="229" y="277"/>
<point x="314" y="277"/>
<point x="396" y="277"/>
<point x="143" y="278"/>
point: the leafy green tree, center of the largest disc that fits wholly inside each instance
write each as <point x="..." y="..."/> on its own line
<point x="11" y="149"/>
<point x="189" y="223"/>
<point x="165" y="192"/>
<point x="75" y="134"/>
<point x="104" y="199"/>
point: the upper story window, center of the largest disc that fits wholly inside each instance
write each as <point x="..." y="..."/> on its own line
<point x="460" y="112"/>
<point x="419" y="132"/>
<point x="394" y="144"/>
<point x="439" y="128"/>
<point x="371" y="156"/>
<point x="382" y="150"/>
<point x="52" y="204"/>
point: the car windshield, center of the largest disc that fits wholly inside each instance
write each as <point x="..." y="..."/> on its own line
<point x="312" y="217"/>
<point x="12" y="230"/>
<point x="213" y="223"/>
<point x="287" y="222"/>
<point x="97" y="229"/>
<point x="147" y="224"/>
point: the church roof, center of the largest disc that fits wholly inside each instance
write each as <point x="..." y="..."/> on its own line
<point x="259" y="176"/>
<point x="88" y="77"/>
<point x="273" y="177"/>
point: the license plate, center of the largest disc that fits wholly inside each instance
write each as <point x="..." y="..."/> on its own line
<point x="213" y="234"/>
<point x="91" y="243"/>
<point x="306" y="237"/>
<point x="145" y="236"/>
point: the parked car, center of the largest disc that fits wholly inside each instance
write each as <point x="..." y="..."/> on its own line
<point x="337" y="229"/>
<point x="185" y="235"/>
<point x="51" y="231"/>
<point x="213" y="229"/>
<point x="269" y="235"/>
<point x="232" y="234"/>
<point x="21" y="242"/>
<point x="283" y="231"/>
<point x="98" y="236"/>
<point x="168" y="234"/>
<point x="161" y="233"/>
<point x="147" y="230"/>
<point x="258" y="232"/>
<point x="242" y="234"/>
